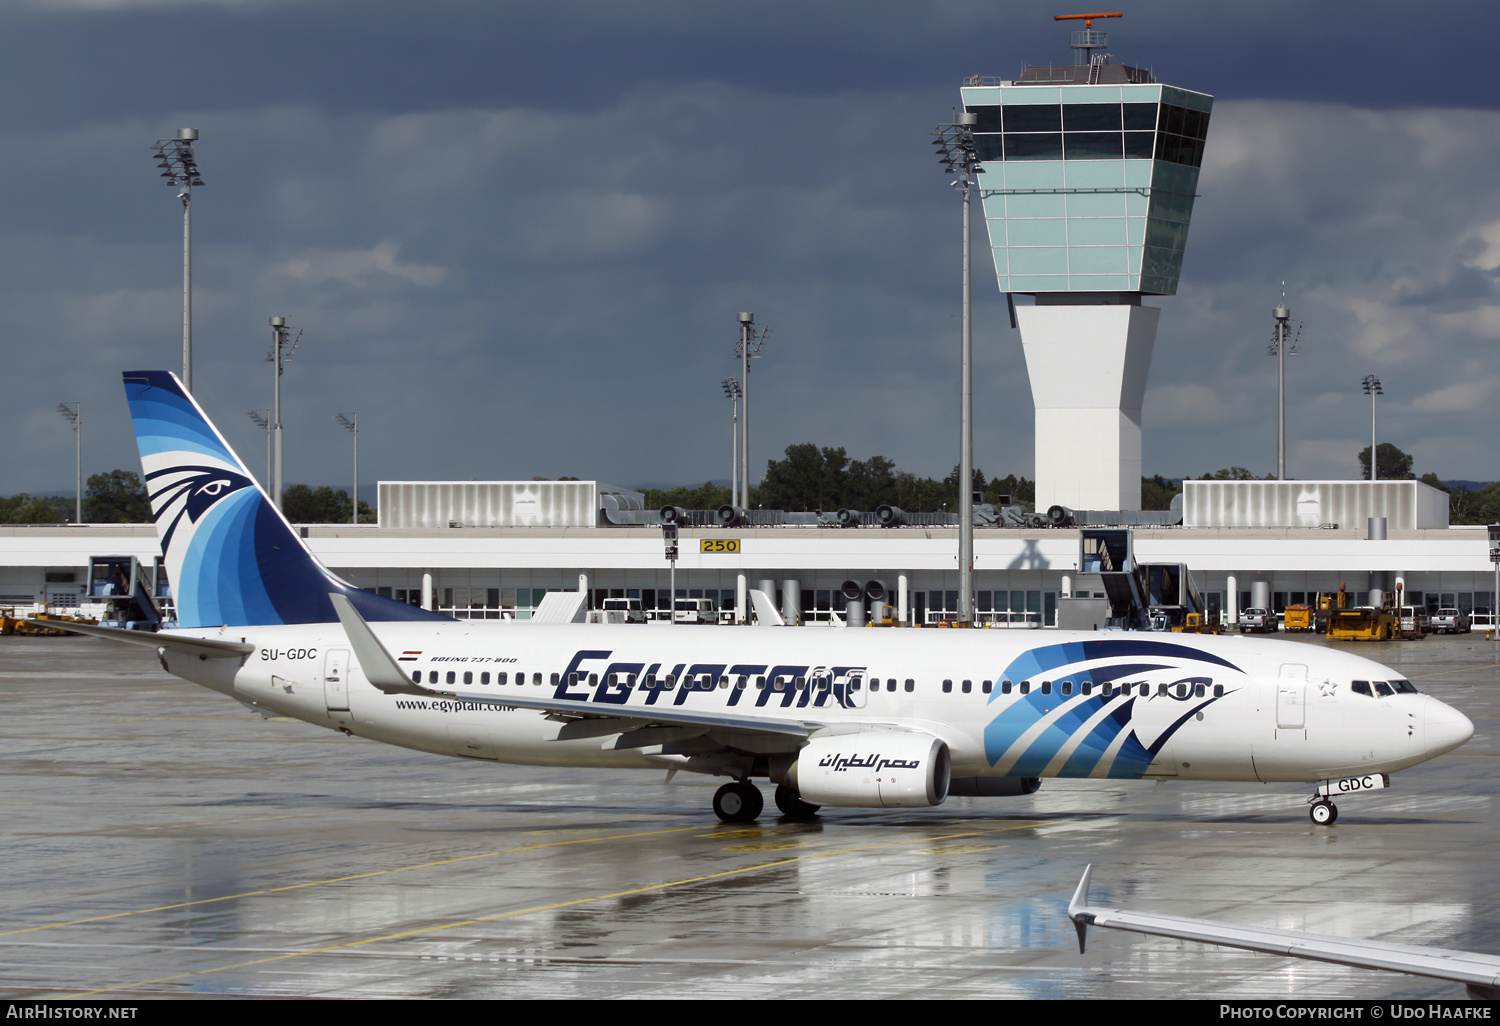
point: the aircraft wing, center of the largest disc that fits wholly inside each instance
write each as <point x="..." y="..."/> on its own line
<point x="386" y="674"/>
<point x="205" y="648"/>
<point x="1478" y="972"/>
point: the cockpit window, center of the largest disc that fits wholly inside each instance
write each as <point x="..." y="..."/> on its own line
<point x="1362" y="687"/>
<point x="1404" y="687"/>
<point x="1383" y="689"/>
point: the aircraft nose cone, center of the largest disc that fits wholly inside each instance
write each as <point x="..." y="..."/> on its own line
<point x="1446" y="728"/>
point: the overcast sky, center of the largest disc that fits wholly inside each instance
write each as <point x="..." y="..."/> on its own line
<point x="517" y="234"/>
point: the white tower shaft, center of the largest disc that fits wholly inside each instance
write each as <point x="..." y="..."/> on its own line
<point x="1088" y="367"/>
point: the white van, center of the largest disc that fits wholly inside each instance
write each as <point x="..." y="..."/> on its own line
<point x="695" y="610"/>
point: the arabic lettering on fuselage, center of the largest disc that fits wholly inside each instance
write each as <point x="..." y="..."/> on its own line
<point x="842" y="763"/>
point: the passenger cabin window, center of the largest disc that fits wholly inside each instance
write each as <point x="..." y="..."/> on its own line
<point x="450" y="677"/>
<point x="468" y="677"/>
<point x="1107" y="689"/>
<point x="501" y="678"/>
<point x="1005" y="687"/>
<point x="968" y="686"/>
<point x="556" y="678"/>
<point x="416" y="676"/>
<point x="987" y="686"/>
<point x="1088" y="687"/>
<point x="890" y="684"/>
<point x="484" y="678"/>
<point x="1218" y="691"/>
<point x="1199" y="690"/>
<point x="947" y="687"/>
<point x="801" y="683"/>
<point x="593" y="680"/>
<point x="911" y="685"/>
<point x="1362" y="687"/>
<point x="1046" y="687"/>
<point x="740" y="682"/>
<point x="1067" y="687"/>
<point x="760" y="683"/>
<point x="1025" y="687"/>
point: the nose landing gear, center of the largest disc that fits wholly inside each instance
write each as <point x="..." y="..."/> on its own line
<point x="1323" y="812"/>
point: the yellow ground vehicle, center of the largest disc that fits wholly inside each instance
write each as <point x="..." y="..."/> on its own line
<point x="9" y="624"/>
<point x="1194" y="623"/>
<point x="1365" y="623"/>
<point x="1299" y="617"/>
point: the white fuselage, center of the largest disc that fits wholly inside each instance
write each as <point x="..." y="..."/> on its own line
<point x="1099" y="705"/>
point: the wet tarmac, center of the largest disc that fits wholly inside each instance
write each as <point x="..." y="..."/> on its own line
<point x="161" y="840"/>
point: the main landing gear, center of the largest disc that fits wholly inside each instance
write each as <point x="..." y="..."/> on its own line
<point x="741" y="802"/>
<point x="1323" y="812"/>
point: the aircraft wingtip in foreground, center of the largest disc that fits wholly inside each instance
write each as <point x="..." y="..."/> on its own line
<point x="855" y="718"/>
<point x="1479" y="973"/>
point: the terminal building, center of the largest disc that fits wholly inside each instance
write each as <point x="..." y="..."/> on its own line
<point x="468" y="551"/>
<point x="1090" y="171"/>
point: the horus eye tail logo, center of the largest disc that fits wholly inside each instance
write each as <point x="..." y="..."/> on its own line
<point x="232" y="558"/>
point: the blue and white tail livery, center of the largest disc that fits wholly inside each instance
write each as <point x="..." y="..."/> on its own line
<point x="832" y="716"/>
<point x="231" y="556"/>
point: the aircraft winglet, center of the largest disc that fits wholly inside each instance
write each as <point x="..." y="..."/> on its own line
<point x="1081" y="919"/>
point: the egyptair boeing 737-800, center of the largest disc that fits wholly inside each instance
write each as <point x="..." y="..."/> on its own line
<point x="855" y="718"/>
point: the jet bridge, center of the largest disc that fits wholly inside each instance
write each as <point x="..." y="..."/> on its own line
<point x="1141" y="596"/>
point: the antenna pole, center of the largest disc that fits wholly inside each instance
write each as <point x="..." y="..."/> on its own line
<point x="1282" y="314"/>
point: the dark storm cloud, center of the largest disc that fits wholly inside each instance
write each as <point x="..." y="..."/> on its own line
<point x="517" y="235"/>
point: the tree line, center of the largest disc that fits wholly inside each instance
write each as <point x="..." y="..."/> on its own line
<point x="119" y="497"/>
<point x="807" y="478"/>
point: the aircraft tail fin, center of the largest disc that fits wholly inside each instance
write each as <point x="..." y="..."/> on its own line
<point x="231" y="556"/>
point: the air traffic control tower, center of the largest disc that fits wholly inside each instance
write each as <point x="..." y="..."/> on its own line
<point x="1090" y="172"/>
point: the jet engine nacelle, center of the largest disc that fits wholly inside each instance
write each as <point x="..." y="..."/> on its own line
<point x="893" y="769"/>
<point x="992" y="787"/>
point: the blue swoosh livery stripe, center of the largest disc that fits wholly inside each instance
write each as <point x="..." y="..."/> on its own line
<point x="1072" y="714"/>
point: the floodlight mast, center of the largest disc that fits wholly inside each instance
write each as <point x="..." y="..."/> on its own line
<point x="752" y="340"/>
<point x="957" y="154"/>
<point x="1279" y="343"/>
<point x="351" y="423"/>
<point x="75" y="417"/>
<point x="180" y="169"/>
<point x="1372" y="389"/>
<point x="733" y="392"/>
<point x="283" y="347"/>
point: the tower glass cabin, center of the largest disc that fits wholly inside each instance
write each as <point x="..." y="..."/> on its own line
<point x="1090" y="173"/>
